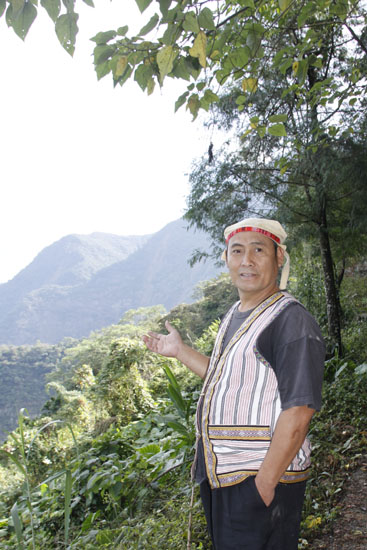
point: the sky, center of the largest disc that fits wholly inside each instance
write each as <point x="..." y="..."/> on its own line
<point x="76" y="154"/>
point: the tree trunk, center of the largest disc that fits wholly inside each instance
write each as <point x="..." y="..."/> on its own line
<point x="332" y="295"/>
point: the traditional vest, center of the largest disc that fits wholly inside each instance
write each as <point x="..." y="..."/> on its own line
<point x="240" y="403"/>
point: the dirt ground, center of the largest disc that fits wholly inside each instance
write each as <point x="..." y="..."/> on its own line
<point x="349" y="531"/>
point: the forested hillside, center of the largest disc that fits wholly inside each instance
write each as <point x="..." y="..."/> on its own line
<point x="23" y="371"/>
<point x="107" y="463"/>
<point x="84" y="283"/>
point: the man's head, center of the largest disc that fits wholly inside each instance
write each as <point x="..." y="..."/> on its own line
<point x="269" y="232"/>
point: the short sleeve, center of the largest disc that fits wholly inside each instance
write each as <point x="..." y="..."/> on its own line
<point x="293" y="346"/>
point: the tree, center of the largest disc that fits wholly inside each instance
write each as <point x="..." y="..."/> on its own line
<point x="312" y="182"/>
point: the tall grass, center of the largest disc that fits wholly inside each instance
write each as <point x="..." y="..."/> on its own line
<point x="22" y="466"/>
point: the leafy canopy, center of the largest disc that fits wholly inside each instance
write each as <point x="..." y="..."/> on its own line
<point x="208" y="43"/>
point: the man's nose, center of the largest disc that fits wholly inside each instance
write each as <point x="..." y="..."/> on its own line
<point x="247" y="258"/>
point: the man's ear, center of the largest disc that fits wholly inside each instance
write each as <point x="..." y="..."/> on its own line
<point x="280" y="256"/>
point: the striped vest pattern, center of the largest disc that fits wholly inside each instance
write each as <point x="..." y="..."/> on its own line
<point x="240" y="403"/>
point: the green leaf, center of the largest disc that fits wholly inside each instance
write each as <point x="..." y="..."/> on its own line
<point x="190" y="23"/>
<point x="149" y="450"/>
<point x="302" y="70"/>
<point x="340" y="9"/>
<point x="164" y="6"/>
<point x="17" y="6"/>
<point x="103" y="37"/>
<point x="22" y="20"/>
<point x="66" y="29"/>
<point x="181" y="69"/>
<point x="284" y="4"/>
<point x="52" y="7"/>
<point x="17" y="525"/>
<point x="2" y="7"/>
<point x="150" y="25"/>
<point x="208" y="98"/>
<point x="102" y="53"/>
<point x="118" y="65"/>
<point x="178" y="427"/>
<point x="169" y="34"/>
<point x="143" y="4"/>
<point x="121" y="31"/>
<point x="278" y="118"/>
<point x="68" y="487"/>
<point x="306" y="12"/>
<point x="277" y="130"/>
<point x="181" y="100"/>
<point x="103" y="69"/>
<point x="143" y="75"/>
<point x="89" y="3"/>
<point x="199" y="48"/>
<point x="239" y="57"/>
<point x="193" y="105"/>
<point x="177" y="400"/>
<point x="241" y="99"/>
<point x="206" y="20"/>
<point x="254" y="37"/>
<point x="93" y="480"/>
<point x="165" y="59"/>
<point x="171" y="377"/>
<point x="127" y="73"/>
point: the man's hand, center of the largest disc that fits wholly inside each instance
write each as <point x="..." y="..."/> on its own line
<point x="172" y="345"/>
<point x="267" y="493"/>
<point x="289" y="434"/>
<point x="167" y="345"/>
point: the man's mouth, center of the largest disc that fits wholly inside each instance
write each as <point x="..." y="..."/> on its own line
<point x="247" y="275"/>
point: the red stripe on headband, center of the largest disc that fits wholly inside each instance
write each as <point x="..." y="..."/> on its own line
<point x="257" y="230"/>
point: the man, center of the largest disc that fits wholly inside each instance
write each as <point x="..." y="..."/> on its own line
<point x="262" y="386"/>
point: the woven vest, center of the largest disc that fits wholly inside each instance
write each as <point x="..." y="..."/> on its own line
<point x="240" y="403"/>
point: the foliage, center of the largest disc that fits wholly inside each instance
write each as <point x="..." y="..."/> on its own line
<point x="229" y="40"/>
<point x="306" y="282"/>
<point x="120" y="386"/>
<point x="21" y="458"/>
<point x="339" y="440"/>
<point x="23" y="371"/>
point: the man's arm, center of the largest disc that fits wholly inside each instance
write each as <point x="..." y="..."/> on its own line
<point x="289" y="434"/>
<point x="171" y="345"/>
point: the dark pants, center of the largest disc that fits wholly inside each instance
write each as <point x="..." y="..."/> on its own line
<point x="238" y="519"/>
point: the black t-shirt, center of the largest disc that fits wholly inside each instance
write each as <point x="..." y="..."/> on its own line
<point x="293" y="346"/>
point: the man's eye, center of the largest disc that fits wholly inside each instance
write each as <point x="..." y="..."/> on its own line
<point x="258" y="249"/>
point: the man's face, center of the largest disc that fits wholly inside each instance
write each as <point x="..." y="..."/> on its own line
<point x="253" y="264"/>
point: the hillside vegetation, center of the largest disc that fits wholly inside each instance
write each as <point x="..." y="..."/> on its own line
<point x="107" y="463"/>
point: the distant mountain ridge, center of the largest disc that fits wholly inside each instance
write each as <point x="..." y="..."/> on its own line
<point x="83" y="283"/>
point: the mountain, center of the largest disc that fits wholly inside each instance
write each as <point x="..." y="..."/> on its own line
<point x="83" y="283"/>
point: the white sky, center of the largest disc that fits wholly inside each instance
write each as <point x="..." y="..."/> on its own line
<point x="77" y="155"/>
